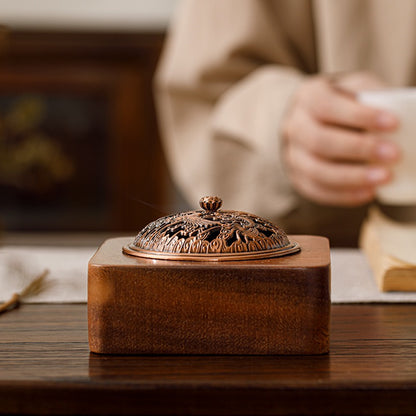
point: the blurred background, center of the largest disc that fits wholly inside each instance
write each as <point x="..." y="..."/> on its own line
<point x="79" y="144"/>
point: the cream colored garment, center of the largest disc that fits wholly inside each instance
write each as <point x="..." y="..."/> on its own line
<point x="230" y="68"/>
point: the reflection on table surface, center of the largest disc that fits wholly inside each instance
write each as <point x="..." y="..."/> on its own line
<point x="44" y="355"/>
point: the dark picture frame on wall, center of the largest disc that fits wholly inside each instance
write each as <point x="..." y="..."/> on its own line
<point x="78" y="131"/>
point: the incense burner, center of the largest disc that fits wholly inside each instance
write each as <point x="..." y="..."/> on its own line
<point x="210" y="281"/>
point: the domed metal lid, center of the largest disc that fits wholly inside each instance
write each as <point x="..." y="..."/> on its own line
<point x="211" y="234"/>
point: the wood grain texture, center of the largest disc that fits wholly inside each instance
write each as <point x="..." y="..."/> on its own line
<point x="270" y="306"/>
<point x="46" y="368"/>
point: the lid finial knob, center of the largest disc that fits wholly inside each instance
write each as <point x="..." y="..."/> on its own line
<point x="210" y="203"/>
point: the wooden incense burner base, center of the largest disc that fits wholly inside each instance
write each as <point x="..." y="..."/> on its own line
<point x="271" y="306"/>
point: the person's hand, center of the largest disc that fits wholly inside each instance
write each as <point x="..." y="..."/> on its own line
<point x="332" y="146"/>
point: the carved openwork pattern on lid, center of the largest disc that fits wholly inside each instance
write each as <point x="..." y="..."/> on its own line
<point x="211" y="233"/>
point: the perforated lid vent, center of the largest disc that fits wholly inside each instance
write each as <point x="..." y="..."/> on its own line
<point x="211" y="234"/>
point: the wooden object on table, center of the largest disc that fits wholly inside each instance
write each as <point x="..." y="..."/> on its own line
<point x="46" y="369"/>
<point x="390" y="248"/>
<point x="270" y="306"/>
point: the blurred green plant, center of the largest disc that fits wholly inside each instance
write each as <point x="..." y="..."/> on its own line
<point x="30" y="160"/>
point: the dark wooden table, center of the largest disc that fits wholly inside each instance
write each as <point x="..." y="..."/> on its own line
<point x="46" y="368"/>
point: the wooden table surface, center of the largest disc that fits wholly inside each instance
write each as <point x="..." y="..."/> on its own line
<point x="46" y="368"/>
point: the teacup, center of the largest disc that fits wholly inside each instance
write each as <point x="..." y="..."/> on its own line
<point x="401" y="102"/>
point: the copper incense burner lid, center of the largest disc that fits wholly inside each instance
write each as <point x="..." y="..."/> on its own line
<point x="211" y="234"/>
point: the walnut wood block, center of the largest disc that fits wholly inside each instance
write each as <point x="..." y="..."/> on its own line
<point x="271" y="306"/>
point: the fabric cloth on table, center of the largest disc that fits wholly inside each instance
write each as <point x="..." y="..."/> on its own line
<point x="67" y="278"/>
<point x="352" y="278"/>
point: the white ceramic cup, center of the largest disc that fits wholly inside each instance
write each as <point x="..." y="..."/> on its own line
<point x="401" y="102"/>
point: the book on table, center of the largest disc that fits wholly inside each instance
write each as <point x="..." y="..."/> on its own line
<point x="390" y="247"/>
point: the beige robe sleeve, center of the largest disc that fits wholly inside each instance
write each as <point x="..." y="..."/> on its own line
<point x="223" y="86"/>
